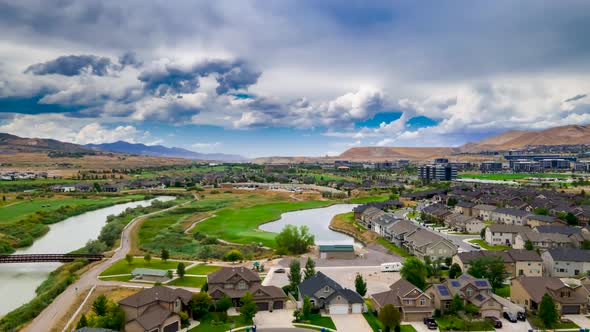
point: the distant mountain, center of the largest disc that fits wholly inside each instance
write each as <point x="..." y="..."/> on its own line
<point x="162" y="151"/>
<point x="388" y="153"/>
<point x="14" y="144"/>
<point x="517" y="139"/>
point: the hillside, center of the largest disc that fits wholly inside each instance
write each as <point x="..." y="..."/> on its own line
<point x="14" y="144"/>
<point x="388" y="153"/>
<point x="517" y="139"/>
<point x="162" y="151"/>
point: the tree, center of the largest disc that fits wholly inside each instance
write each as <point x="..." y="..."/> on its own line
<point x="491" y="268"/>
<point x="169" y="274"/>
<point x="456" y="305"/>
<point x="294" y="275"/>
<point x="389" y="316"/>
<point x="95" y="247"/>
<point x="585" y="245"/>
<point x="164" y="254"/>
<point x="248" y="309"/>
<point x="99" y="306"/>
<point x="200" y="305"/>
<point x="528" y="245"/>
<point x="306" y="309"/>
<point x="309" y="269"/>
<point x="83" y="322"/>
<point x="180" y="269"/>
<point x="295" y="240"/>
<point x="547" y="312"/>
<point x="482" y="234"/>
<point x="455" y="271"/>
<point x="129" y="258"/>
<point x="223" y="304"/>
<point x="452" y="201"/>
<point x="360" y="285"/>
<point x="414" y="271"/>
<point x="233" y="256"/>
<point x="571" y="219"/>
<point x="147" y="257"/>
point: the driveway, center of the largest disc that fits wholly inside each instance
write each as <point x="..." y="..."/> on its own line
<point x="276" y="319"/>
<point x="514" y="327"/>
<point x="581" y="320"/>
<point x="351" y="322"/>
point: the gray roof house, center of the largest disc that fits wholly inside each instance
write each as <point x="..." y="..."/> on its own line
<point x="422" y="243"/>
<point x="325" y="293"/>
<point x="566" y="262"/>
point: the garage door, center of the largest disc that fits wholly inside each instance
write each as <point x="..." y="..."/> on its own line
<point x="339" y="309"/>
<point x="262" y="306"/>
<point x="570" y="309"/>
<point x="490" y="313"/>
<point x="171" y="328"/>
<point x="416" y="316"/>
<point x="278" y="305"/>
<point x="357" y="308"/>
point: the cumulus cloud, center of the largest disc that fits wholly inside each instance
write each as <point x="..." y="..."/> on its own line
<point x="73" y="65"/>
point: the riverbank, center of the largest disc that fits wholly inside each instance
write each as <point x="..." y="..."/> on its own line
<point x="346" y="224"/>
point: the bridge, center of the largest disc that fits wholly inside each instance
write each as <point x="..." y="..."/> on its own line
<point x="39" y="258"/>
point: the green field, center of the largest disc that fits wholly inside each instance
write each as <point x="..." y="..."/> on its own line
<point x="122" y="267"/>
<point x="241" y="225"/>
<point x="21" y="208"/>
<point x="514" y="176"/>
<point x="486" y="246"/>
<point x="368" y="199"/>
<point x="196" y="282"/>
<point x="202" y="269"/>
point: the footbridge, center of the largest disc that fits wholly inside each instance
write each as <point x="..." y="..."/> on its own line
<point x="40" y="258"/>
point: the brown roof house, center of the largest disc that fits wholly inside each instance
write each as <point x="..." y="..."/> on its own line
<point x="569" y="299"/>
<point x="413" y="304"/>
<point x="155" y="309"/>
<point x="517" y="261"/>
<point x="475" y="291"/>
<point x="234" y="282"/>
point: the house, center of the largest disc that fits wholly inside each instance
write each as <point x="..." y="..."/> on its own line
<point x="153" y="275"/>
<point x="235" y="282"/>
<point x="413" y="304"/>
<point x="502" y="234"/>
<point x="379" y="224"/>
<point x="542" y="241"/>
<point x="528" y="291"/>
<point x="483" y="211"/>
<point x="110" y="187"/>
<point x="471" y="290"/>
<point x="509" y="216"/>
<point x="422" y="243"/>
<point x="436" y="212"/>
<point x="516" y="261"/>
<point x="534" y="220"/>
<point x="325" y="293"/>
<point x="566" y="262"/>
<point x="465" y="208"/>
<point x="397" y="232"/>
<point x="370" y="213"/>
<point x="155" y="309"/>
<point x="337" y="251"/>
<point x="463" y="223"/>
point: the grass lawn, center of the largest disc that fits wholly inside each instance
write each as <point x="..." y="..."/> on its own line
<point x="196" y="282"/>
<point x="407" y="328"/>
<point x="486" y="246"/>
<point x="21" y="208"/>
<point x="119" y="278"/>
<point x="565" y="325"/>
<point x="207" y="325"/>
<point x="202" y="269"/>
<point x="452" y="323"/>
<point x="504" y="291"/>
<point x="240" y="225"/>
<point x="122" y="267"/>
<point x="368" y="199"/>
<point x="319" y="320"/>
<point x="515" y="176"/>
<point x="395" y="249"/>
<point x="373" y="321"/>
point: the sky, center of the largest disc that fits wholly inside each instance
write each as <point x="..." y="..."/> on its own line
<point x="285" y="78"/>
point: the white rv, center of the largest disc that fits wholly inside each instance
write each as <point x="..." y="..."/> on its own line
<point x="391" y="267"/>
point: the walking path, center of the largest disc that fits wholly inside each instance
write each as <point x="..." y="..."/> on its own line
<point x="51" y="315"/>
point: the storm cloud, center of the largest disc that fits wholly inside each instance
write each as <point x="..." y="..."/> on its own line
<point x="73" y="65"/>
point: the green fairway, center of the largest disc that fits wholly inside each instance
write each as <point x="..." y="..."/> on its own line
<point x="241" y="225"/>
<point x="202" y="269"/>
<point x="122" y="267"/>
<point x="196" y="282"/>
<point x="514" y="176"/>
<point x="21" y="208"/>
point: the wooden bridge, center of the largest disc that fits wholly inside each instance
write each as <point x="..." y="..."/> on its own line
<point x="38" y="258"/>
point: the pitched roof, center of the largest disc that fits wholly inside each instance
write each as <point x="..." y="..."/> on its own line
<point x="421" y="237"/>
<point x="156" y="293"/>
<point x="569" y="254"/>
<point x="536" y="287"/>
<point x="512" y="212"/>
<point x="320" y="280"/>
<point x="225" y="273"/>
<point x="562" y="229"/>
<point x="153" y="317"/>
<point x="465" y="204"/>
<point x="506" y="228"/>
<point x="523" y="255"/>
<point x="149" y="272"/>
<point x="485" y="207"/>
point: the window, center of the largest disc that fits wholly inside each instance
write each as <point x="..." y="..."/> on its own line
<point x="422" y="302"/>
<point x="242" y="285"/>
<point x="407" y="302"/>
<point x="228" y="286"/>
<point x="326" y="289"/>
<point x="447" y="304"/>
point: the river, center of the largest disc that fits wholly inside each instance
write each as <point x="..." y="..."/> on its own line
<point x="18" y="281"/>
<point x="318" y="220"/>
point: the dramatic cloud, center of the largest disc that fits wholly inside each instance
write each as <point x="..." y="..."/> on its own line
<point x="73" y="65"/>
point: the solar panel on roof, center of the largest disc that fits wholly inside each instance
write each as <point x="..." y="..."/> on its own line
<point x="481" y="283"/>
<point x="479" y="297"/>
<point x="443" y="290"/>
<point x="455" y="283"/>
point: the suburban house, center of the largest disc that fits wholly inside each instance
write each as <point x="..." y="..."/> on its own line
<point x="337" y="251"/>
<point x="150" y="275"/>
<point x="542" y="241"/>
<point x="475" y="291"/>
<point x="234" y="282"/>
<point x="379" y="224"/>
<point x="464" y="208"/>
<point x="503" y="234"/>
<point x="483" y="211"/>
<point x="464" y="223"/>
<point x="413" y="304"/>
<point x="325" y="293"/>
<point x="566" y="262"/>
<point x="369" y="214"/>
<point x="422" y="243"/>
<point x="509" y="216"/>
<point x="534" y="220"/>
<point x="396" y="233"/>
<point x="436" y="212"/>
<point x="155" y="309"/>
<point x="517" y="261"/>
<point x="528" y="291"/>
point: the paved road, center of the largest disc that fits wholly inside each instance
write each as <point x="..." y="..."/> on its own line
<point x="55" y="310"/>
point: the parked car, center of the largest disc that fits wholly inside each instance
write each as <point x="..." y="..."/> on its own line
<point x="495" y="321"/>
<point x="430" y="323"/>
<point x="280" y="271"/>
<point x="476" y="246"/>
<point x="521" y="315"/>
<point x="510" y="317"/>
